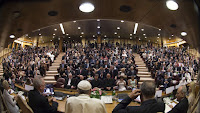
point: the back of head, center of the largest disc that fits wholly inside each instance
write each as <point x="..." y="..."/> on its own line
<point x="148" y="89"/>
<point x="37" y="82"/>
<point x="5" y="84"/>
<point x="84" y="87"/>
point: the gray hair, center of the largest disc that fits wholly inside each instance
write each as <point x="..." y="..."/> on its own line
<point x="148" y="89"/>
<point x="184" y="90"/>
<point x="37" y="81"/>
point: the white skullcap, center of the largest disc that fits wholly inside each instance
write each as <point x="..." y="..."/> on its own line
<point x="84" y="85"/>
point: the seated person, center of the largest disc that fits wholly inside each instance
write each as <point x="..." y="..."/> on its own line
<point x="182" y="106"/>
<point x="37" y="101"/>
<point x="147" y="95"/>
<point x="109" y="83"/>
<point x="132" y="83"/>
<point x="166" y="82"/>
<point x="96" y="82"/>
<point x="70" y="82"/>
<point x="60" y="83"/>
<point x="12" y="105"/>
<point x="121" y="83"/>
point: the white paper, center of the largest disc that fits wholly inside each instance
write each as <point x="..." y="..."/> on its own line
<point x="169" y="89"/>
<point x="107" y="99"/>
<point x="28" y="87"/>
<point x="158" y="93"/>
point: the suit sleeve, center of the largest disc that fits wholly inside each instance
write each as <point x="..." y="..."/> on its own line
<point x="122" y="106"/>
<point x="49" y="108"/>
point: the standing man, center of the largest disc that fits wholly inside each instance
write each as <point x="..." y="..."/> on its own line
<point x="148" y="105"/>
<point x="83" y="103"/>
<point x="37" y="101"/>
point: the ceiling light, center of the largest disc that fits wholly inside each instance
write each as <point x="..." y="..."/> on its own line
<point x="183" y="33"/>
<point x="135" y="29"/>
<point x="158" y="37"/>
<point x="105" y="36"/>
<point x="131" y="38"/>
<point x="115" y="33"/>
<point x="172" y="5"/>
<point x="159" y="29"/>
<point x="74" y="21"/>
<point x="118" y="27"/>
<point x="104" y="39"/>
<point x="118" y="36"/>
<point x="62" y="28"/>
<point x="69" y="37"/>
<point x="82" y="33"/>
<point x="40" y="34"/>
<point x="145" y="37"/>
<point x="98" y="27"/>
<point x="172" y="35"/>
<point x="12" y="36"/>
<point x="142" y="29"/>
<point x="158" y="34"/>
<point x="54" y="34"/>
<point x="139" y="38"/>
<point x="131" y="34"/>
<point x="169" y="37"/>
<point x="98" y="20"/>
<point x="81" y="36"/>
<point x="122" y="21"/>
<point x="51" y="40"/>
<point x="55" y="29"/>
<point x="58" y="38"/>
<point x="93" y="35"/>
<point x="144" y="34"/>
<point x="86" y="7"/>
<point x="67" y="34"/>
<point x="79" y="27"/>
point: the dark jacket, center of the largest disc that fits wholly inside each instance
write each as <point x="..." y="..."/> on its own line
<point x="148" y="106"/>
<point x="181" y="107"/>
<point x="40" y="104"/>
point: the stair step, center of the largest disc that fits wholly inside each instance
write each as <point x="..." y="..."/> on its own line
<point x="50" y="82"/>
<point x="144" y="73"/>
<point x="144" y="69"/>
<point x="146" y="79"/>
<point x="146" y="76"/>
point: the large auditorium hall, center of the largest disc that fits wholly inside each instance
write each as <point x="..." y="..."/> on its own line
<point x="99" y="56"/>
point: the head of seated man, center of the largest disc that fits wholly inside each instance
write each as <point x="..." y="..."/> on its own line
<point x="148" y="90"/>
<point x="181" y="93"/>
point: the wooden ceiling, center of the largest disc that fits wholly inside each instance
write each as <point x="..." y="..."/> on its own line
<point x="24" y="16"/>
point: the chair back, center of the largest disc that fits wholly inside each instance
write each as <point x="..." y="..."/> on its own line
<point x="5" y="107"/>
<point x="23" y="105"/>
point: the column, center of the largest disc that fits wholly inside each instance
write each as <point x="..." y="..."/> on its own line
<point x="83" y="42"/>
<point x="161" y="41"/>
<point x="61" y="44"/>
<point x="13" y="44"/>
<point x="37" y="41"/>
<point x="99" y="39"/>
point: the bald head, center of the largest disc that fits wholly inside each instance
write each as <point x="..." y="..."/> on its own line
<point x="148" y="89"/>
<point x="181" y="93"/>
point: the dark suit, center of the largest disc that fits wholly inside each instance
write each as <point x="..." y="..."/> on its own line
<point x="73" y="83"/>
<point x="109" y="83"/>
<point x="40" y="104"/>
<point x="181" y="107"/>
<point x="148" y="106"/>
<point x="96" y="83"/>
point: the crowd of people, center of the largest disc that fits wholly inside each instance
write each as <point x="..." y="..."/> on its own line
<point x="108" y="66"/>
<point x="170" y="66"/>
<point x="25" y="63"/>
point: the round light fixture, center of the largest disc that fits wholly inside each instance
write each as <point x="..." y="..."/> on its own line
<point x="122" y="21"/>
<point x="86" y="7"/>
<point x="55" y="29"/>
<point x="98" y="27"/>
<point x="118" y="28"/>
<point x="131" y="34"/>
<point x="142" y="29"/>
<point x="183" y="33"/>
<point x="172" y="5"/>
<point x="12" y="36"/>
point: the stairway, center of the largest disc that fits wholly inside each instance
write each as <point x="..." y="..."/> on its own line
<point x="1" y="71"/>
<point x="143" y="72"/>
<point x="49" y="78"/>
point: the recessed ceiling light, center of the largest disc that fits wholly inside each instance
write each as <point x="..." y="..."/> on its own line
<point x="142" y="29"/>
<point x="80" y="36"/>
<point x="172" y="5"/>
<point x="38" y="29"/>
<point x="86" y="7"/>
<point x="69" y="37"/>
<point x="74" y="21"/>
<point x="144" y="34"/>
<point x="98" y="27"/>
<point x="98" y="20"/>
<point x="40" y="34"/>
<point x="131" y="38"/>
<point x="54" y="34"/>
<point x="94" y="39"/>
<point x="115" y="33"/>
<point x="131" y="34"/>
<point x="139" y="39"/>
<point x="172" y="35"/>
<point x="67" y="34"/>
<point x="82" y="33"/>
<point x="145" y="37"/>
<point x="158" y="34"/>
<point x="160" y="29"/>
<point x="105" y="36"/>
<point x="58" y="38"/>
<point x="55" y="29"/>
<point x="183" y="33"/>
<point x="158" y="37"/>
<point x="12" y="36"/>
<point x="122" y="21"/>
<point x="51" y="40"/>
<point x="93" y="35"/>
<point x="118" y="28"/>
<point x="79" y="27"/>
<point x="118" y="36"/>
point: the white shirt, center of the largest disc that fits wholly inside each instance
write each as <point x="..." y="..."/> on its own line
<point x="84" y="104"/>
